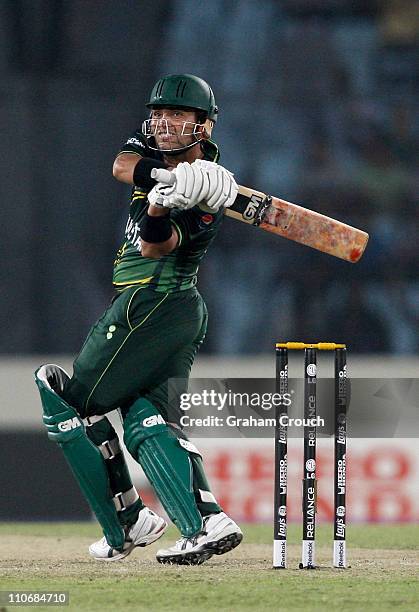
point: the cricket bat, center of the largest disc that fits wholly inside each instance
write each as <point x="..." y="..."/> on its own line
<point x="290" y="221"/>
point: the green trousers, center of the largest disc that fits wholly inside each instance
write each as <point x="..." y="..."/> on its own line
<point x="143" y="339"/>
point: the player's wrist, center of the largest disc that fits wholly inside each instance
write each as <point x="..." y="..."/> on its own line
<point x="157" y="211"/>
<point x="155" y="229"/>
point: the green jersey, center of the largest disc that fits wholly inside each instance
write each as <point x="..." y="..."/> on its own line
<point x="178" y="270"/>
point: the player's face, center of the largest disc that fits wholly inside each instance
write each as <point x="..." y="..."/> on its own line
<point x="174" y="128"/>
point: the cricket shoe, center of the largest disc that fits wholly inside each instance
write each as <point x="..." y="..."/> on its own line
<point x="220" y="535"/>
<point x="148" y="528"/>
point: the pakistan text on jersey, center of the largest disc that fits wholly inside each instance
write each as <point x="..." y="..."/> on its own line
<point x="132" y="233"/>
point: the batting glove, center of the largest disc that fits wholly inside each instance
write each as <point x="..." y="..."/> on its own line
<point x="223" y="189"/>
<point x="190" y="187"/>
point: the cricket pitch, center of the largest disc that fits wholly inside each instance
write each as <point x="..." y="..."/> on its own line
<point x="383" y="572"/>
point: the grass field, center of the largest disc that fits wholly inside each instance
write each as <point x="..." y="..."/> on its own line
<point x="384" y="572"/>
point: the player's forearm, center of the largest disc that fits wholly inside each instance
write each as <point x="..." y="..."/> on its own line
<point x="133" y="169"/>
<point x="156" y="251"/>
<point x="123" y="167"/>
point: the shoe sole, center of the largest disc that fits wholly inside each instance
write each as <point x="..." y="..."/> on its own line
<point x="195" y="558"/>
<point x="218" y="547"/>
<point x="152" y="537"/>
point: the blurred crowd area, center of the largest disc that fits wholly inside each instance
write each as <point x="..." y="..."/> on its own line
<point x="318" y="105"/>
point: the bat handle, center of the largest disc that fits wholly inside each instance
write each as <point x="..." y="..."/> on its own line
<point x="161" y="175"/>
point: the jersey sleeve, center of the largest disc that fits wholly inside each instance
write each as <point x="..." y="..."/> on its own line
<point x="137" y="143"/>
<point x="195" y="225"/>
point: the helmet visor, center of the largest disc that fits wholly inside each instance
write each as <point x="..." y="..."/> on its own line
<point x="153" y="127"/>
<point x="166" y="136"/>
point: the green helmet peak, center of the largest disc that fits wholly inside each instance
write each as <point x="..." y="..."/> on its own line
<point x="184" y="91"/>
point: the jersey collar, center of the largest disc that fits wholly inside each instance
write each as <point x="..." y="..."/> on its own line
<point x="210" y="150"/>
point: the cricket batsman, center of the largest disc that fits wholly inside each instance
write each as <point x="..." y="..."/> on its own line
<point x="150" y="333"/>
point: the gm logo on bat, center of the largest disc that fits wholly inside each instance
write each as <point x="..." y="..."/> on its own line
<point x="252" y="208"/>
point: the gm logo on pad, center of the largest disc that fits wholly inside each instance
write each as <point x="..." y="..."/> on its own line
<point x="155" y="419"/>
<point x="69" y="424"/>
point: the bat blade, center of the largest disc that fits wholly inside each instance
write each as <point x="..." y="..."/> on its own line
<point x="299" y="224"/>
<point x="314" y="230"/>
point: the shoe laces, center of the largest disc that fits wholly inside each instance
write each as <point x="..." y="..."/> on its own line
<point x="193" y="539"/>
<point x="127" y="538"/>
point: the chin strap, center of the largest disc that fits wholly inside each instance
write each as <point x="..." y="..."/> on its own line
<point x="174" y="151"/>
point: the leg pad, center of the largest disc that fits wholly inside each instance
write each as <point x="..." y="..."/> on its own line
<point x="166" y="463"/>
<point x="66" y="428"/>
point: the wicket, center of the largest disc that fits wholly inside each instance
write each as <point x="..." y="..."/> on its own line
<point x="309" y="489"/>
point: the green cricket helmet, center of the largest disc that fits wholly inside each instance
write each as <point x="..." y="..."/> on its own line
<point x="184" y="91"/>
